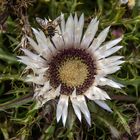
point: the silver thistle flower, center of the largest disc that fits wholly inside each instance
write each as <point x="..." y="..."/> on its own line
<point x="73" y="66"/>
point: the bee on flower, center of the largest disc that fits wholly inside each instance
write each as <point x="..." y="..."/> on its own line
<point x="49" y="26"/>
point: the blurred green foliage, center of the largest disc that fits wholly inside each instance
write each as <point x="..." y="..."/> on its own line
<point x="19" y="120"/>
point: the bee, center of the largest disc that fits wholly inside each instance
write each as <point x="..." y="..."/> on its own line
<point x="49" y="26"/>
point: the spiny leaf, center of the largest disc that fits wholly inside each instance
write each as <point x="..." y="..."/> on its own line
<point x="123" y="121"/>
<point x="113" y="130"/>
<point x="16" y="102"/>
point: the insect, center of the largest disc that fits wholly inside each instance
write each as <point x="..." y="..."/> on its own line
<point x="49" y="26"/>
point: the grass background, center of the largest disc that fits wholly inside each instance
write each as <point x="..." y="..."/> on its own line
<point x="18" y="120"/>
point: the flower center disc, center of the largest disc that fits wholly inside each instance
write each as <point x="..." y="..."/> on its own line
<point x="73" y="73"/>
<point x="72" y="68"/>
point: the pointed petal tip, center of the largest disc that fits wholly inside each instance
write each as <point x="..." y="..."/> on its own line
<point x="82" y="14"/>
<point x="89" y="121"/>
<point x="58" y="115"/>
<point x="95" y="18"/>
<point x="64" y="122"/>
<point x="33" y="29"/>
<point x="110" y="110"/>
<point x="58" y="119"/>
<point x="19" y="57"/>
<point x="103" y="105"/>
<point x="108" y="28"/>
<point x="123" y="61"/>
<point x="62" y="16"/>
<point x="120" y="47"/>
<point x="120" y="38"/>
<point x="22" y="49"/>
<point x="120" y="86"/>
<point x="97" y="22"/>
<point x="62" y="13"/>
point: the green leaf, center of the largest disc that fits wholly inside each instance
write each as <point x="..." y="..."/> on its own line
<point x="16" y="102"/>
<point x="113" y="130"/>
<point x="123" y="121"/>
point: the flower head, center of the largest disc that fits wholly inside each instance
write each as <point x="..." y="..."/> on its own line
<point x="72" y="66"/>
